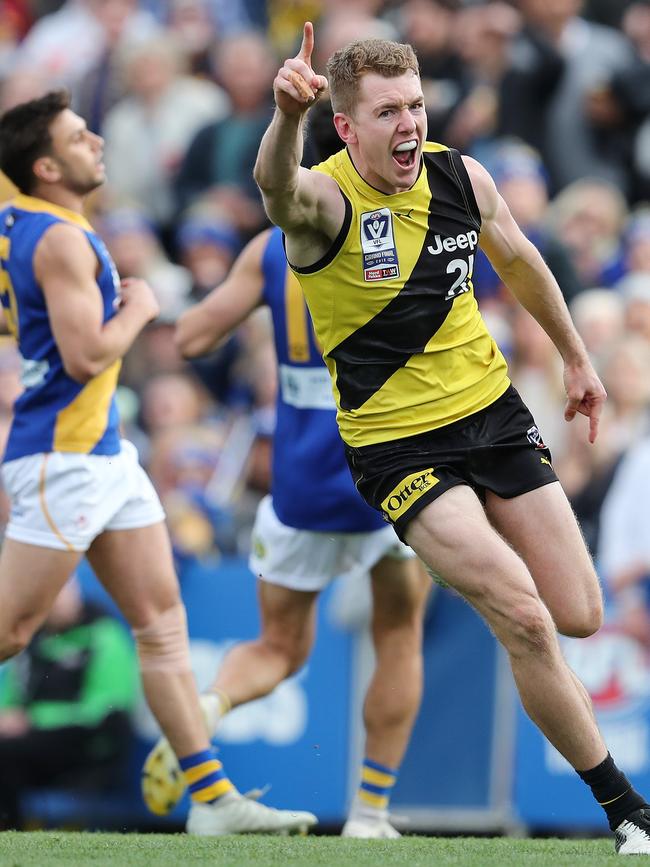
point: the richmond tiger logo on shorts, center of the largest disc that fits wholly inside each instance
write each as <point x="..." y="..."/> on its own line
<point x="407" y="492"/>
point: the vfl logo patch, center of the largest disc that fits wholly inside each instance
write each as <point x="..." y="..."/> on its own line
<point x="534" y="437"/>
<point x="407" y="492"/>
<point x="378" y="246"/>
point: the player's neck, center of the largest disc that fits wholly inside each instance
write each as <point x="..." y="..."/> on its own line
<point x="59" y="196"/>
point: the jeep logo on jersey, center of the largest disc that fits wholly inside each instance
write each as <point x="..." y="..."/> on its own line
<point x="407" y="492"/>
<point x="464" y="241"/>
<point x="378" y="246"/>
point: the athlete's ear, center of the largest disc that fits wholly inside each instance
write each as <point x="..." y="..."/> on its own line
<point x="46" y="169"/>
<point x="345" y="128"/>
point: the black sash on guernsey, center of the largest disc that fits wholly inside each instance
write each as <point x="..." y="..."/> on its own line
<point x="405" y="326"/>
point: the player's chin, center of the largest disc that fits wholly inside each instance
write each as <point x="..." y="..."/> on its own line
<point x="405" y="174"/>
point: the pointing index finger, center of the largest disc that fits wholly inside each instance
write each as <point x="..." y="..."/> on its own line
<point x="307" y="45"/>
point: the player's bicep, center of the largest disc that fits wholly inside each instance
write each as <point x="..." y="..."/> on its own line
<point x="501" y="239"/>
<point x="65" y="266"/>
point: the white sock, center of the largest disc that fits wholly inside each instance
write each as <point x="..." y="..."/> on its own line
<point x="361" y="810"/>
<point x="215" y="706"/>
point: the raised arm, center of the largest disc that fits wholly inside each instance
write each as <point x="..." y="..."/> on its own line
<point x="303" y="203"/>
<point x="65" y="266"/>
<point x="523" y="270"/>
<point x="200" y="329"/>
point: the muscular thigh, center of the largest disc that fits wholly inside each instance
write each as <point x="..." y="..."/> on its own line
<point x="137" y="568"/>
<point x="453" y="536"/>
<point x="30" y="579"/>
<point x="541" y="527"/>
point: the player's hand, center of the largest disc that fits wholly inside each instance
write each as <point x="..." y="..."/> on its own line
<point x="296" y="87"/>
<point x="138" y="293"/>
<point x="585" y="395"/>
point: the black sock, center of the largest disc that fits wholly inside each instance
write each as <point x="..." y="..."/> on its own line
<point x="613" y="791"/>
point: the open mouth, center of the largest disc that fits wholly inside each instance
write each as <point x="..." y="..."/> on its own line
<point x="404" y="154"/>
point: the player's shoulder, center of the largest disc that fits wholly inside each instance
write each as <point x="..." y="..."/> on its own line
<point x="434" y="147"/>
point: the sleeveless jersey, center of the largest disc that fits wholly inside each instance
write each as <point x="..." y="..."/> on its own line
<point x="312" y="488"/>
<point x="54" y="412"/>
<point x="393" y="304"/>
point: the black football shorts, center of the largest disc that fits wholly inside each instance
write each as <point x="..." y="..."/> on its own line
<point x="498" y="449"/>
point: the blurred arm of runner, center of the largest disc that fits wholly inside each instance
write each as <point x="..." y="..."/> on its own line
<point x="200" y="329"/>
<point x="307" y="205"/>
<point x="523" y="270"/>
<point x="65" y="266"/>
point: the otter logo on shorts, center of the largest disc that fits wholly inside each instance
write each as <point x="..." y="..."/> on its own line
<point x="407" y="492"/>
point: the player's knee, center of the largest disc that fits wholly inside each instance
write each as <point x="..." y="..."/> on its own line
<point x="163" y="643"/>
<point x="291" y="646"/>
<point x="531" y="629"/>
<point x="583" y="621"/>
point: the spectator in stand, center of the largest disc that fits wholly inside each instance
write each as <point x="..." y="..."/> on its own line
<point x="589" y="216"/>
<point x="592" y="54"/>
<point x="637" y="242"/>
<point x="625" y="543"/>
<point x="522" y="181"/>
<point x="484" y="37"/>
<point x="635" y="292"/>
<point x="15" y="20"/>
<point x="598" y="315"/>
<point x="206" y="245"/>
<point x="147" y="133"/>
<point x="66" y="44"/>
<point x="218" y="165"/>
<point x="621" y="107"/>
<point x="137" y="252"/>
<point x="429" y="26"/>
<point x="625" y="420"/>
<point x="65" y="704"/>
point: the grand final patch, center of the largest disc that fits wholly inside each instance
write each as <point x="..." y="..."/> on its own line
<point x="378" y="246"/>
<point x="407" y="492"/>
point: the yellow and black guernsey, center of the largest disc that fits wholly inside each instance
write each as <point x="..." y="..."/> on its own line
<point x="393" y="304"/>
<point x="54" y="412"/>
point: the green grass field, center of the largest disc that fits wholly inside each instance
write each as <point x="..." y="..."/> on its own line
<point x="22" y="849"/>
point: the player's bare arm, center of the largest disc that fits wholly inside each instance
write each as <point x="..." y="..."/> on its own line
<point x="65" y="266"/>
<point x="202" y="328"/>
<point x="307" y="205"/>
<point x="523" y="270"/>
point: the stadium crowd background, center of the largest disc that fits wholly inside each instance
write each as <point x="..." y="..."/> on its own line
<point x="553" y="96"/>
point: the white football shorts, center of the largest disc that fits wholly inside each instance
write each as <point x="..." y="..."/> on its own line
<point x="64" y="500"/>
<point x="308" y="560"/>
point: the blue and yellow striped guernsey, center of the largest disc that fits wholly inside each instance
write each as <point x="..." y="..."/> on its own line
<point x="54" y="412"/>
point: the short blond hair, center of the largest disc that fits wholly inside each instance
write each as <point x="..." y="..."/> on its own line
<point x="347" y="65"/>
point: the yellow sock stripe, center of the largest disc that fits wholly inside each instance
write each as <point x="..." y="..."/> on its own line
<point x="377" y="778"/>
<point x="380" y="802"/>
<point x="193" y="775"/>
<point x="216" y="790"/>
<point x="604" y="803"/>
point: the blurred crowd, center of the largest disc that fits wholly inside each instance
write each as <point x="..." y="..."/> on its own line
<point x="552" y="96"/>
